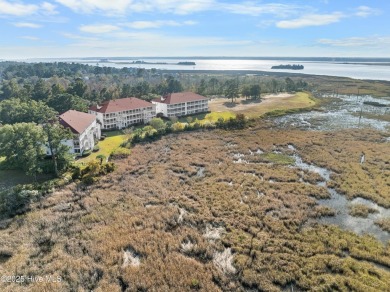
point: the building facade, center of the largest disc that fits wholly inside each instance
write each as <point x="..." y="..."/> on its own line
<point x="121" y="113"/>
<point x="85" y="128"/>
<point x="181" y="104"/>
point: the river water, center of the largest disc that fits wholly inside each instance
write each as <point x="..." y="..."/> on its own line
<point x="340" y="205"/>
<point x="358" y="70"/>
<point x="342" y="113"/>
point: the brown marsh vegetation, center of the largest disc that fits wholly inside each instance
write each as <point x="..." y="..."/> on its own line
<point x="384" y="223"/>
<point x="343" y="85"/>
<point x="209" y="211"/>
<point x="361" y="210"/>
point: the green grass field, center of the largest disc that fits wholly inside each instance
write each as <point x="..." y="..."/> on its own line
<point x="214" y="116"/>
<point x="112" y="142"/>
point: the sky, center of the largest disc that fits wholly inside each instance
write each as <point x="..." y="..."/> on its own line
<point x="142" y="28"/>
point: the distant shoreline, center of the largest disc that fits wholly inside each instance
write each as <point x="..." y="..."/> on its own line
<point x="332" y="69"/>
<point x="240" y="72"/>
<point x="185" y="63"/>
<point x="258" y="73"/>
<point x="368" y="64"/>
<point x="363" y="60"/>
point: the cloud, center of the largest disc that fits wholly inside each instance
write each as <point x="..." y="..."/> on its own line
<point x="87" y="6"/>
<point x="365" y="11"/>
<point x="373" y="41"/>
<point x="189" y="6"/>
<point x="78" y="37"/>
<point x="156" y="24"/>
<point x="251" y="8"/>
<point x="311" y="20"/>
<point x="30" y="38"/>
<point x="98" y="28"/>
<point x="27" y="24"/>
<point x="183" y="7"/>
<point x="127" y="6"/>
<point x="17" y="8"/>
<point x="48" y="8"/>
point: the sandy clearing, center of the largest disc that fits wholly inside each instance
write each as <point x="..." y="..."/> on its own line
<point x="279" y="95"/>
<point x="241" y="104"/>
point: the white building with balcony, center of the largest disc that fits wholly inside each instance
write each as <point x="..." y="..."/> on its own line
<point x="123" y="112"/>
<point x="181" y="104"/>
<point x="85" y="129"/>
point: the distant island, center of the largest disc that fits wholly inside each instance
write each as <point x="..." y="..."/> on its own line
<point x="289" y="67"/>
<point x="158" y="63"/>
<point x="187" y="63"/>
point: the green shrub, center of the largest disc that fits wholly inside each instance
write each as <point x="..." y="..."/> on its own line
<point x="16" y="202"/>
<point x="88" y="180"/>
<point x="109" y="167"/>
<point x="101" y="158"/>
<point x="120" y="152"/>
<point x="94" y="169"/>
<point x="96" y="148"/>
<point x="195" y="284"/>
<point x="76" y="174"/>
<point x="86" y="153"/>
<point x="157" y="123"/>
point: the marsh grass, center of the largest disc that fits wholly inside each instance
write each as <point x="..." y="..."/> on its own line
<point x="277" y="158"/>
<point x="384" y="223"/>
<point x="361" y="210"/>
<point x="385" y="116"/>
<point x="82" y="232"/>
<point x="348" y="86"/>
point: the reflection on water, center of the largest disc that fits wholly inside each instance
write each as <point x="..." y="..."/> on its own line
<point x="340" y="114"/>
<point x="340" y="204"/>
<point x="359" y="71"/>
<point x="357" y="224"/>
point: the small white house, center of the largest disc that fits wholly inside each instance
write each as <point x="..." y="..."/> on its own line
<point x="181" y="104"/>
<point x="123" y="112"/>
<point x="85" y="128"/>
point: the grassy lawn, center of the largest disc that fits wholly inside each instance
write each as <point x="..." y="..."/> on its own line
<point x="211" y="117"/>
<point x="214" y="116"/>
<point x="113" y="141"/>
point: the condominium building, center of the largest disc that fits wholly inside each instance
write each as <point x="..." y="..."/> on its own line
<point x="121" y="113"/>
<point x="181" y="104"/>
<point x="85" y="129"/>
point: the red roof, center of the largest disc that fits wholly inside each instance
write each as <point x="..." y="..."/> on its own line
<point x="180" y="97"/>
<point x="78" y="122"/>
<point x="122" y="104"/>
